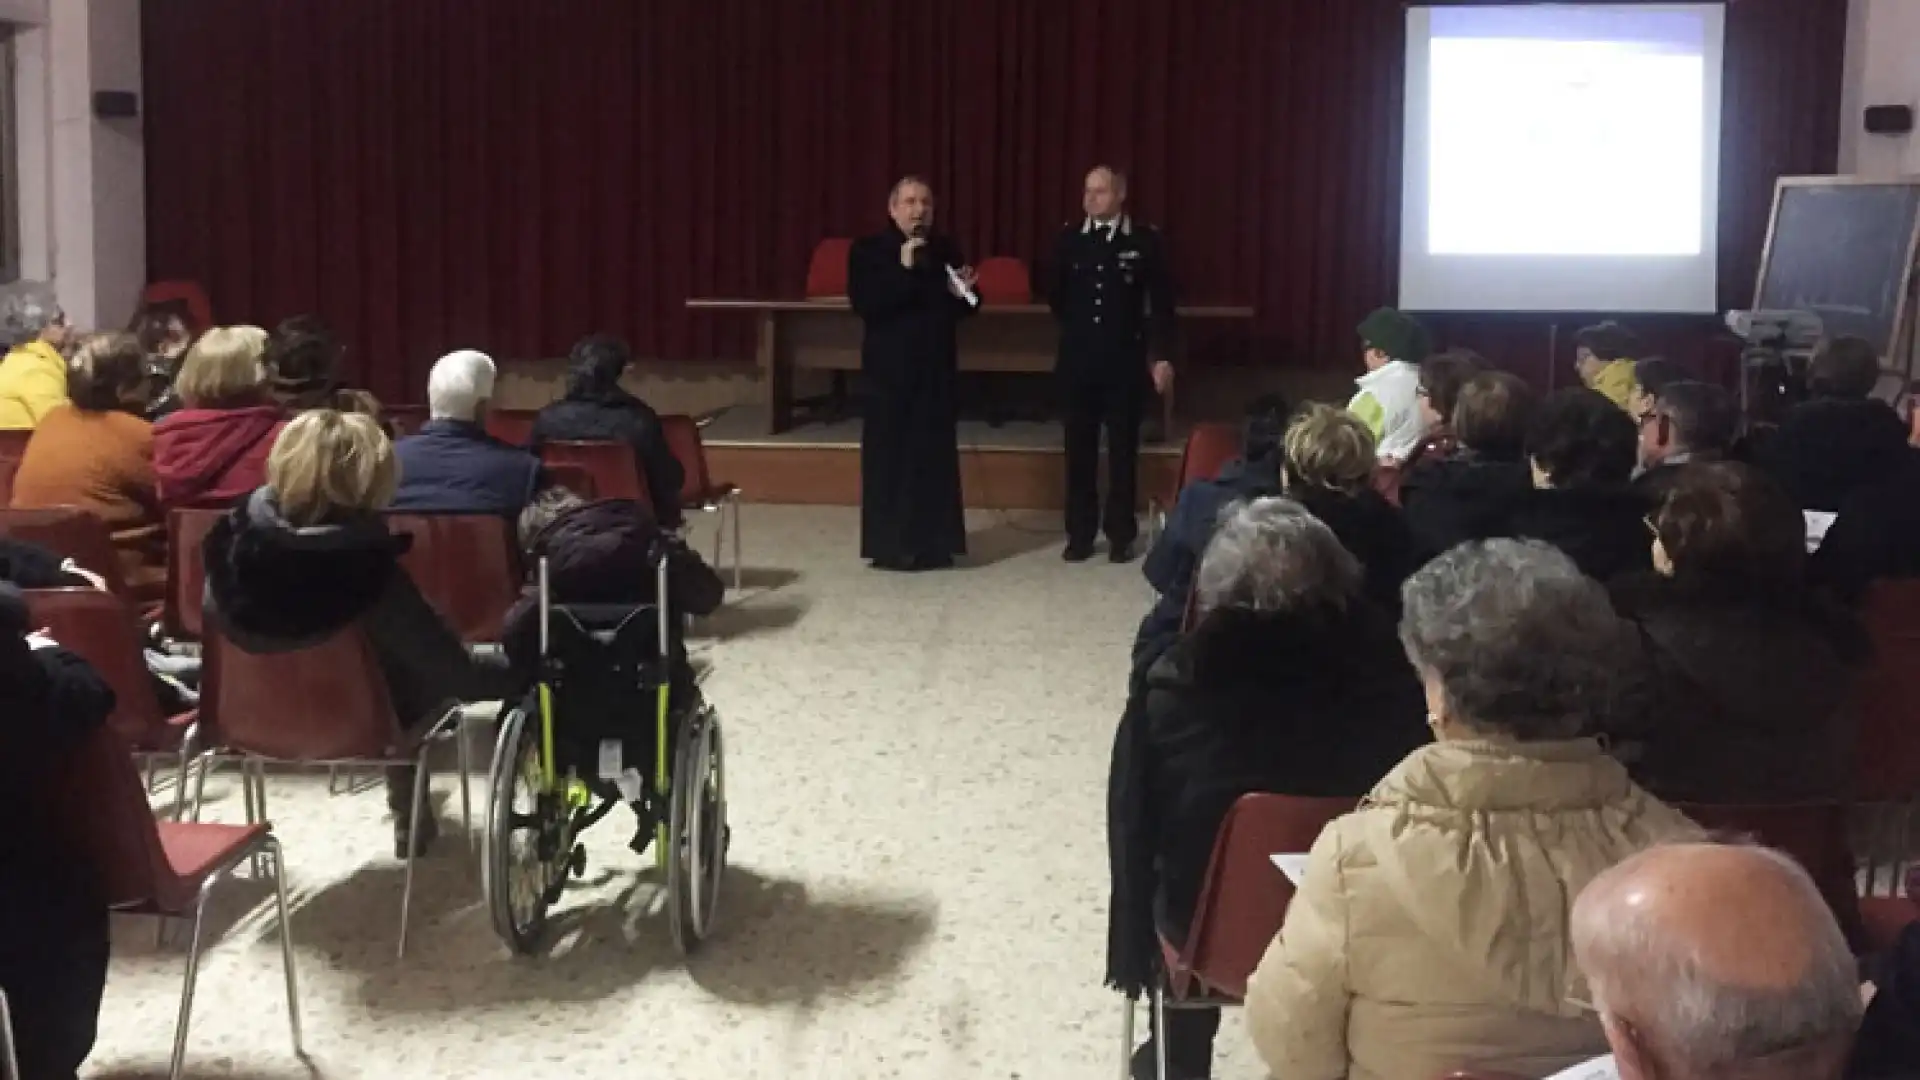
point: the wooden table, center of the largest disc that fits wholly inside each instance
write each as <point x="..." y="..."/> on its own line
<point x="824" y="335"/>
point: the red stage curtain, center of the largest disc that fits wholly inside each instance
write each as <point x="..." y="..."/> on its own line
<point x="510" y="175"/>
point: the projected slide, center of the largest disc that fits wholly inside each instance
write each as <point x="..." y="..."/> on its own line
<point x="1562" y="158"/>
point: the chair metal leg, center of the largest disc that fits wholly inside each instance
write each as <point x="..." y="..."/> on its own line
<point x="733" y="501"/>
<point x="187" y="746"/>
<point x="200" y="784"/>
<point x="1127" y="1004"/>
<point x="1159" y="1031"/>
<point x="333" y="779"/>
<point x="413" y="831"/>
<point x="286" y="944"/>
<point x="465" y="754"/>
<point x="193" y="974"/>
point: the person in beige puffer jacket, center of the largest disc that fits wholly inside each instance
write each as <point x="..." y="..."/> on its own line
<point x="1430" y="931"/>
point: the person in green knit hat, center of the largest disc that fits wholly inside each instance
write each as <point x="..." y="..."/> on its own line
<point x="1388" y="400"/>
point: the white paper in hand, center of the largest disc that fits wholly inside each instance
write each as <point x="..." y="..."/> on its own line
<point x="1292" y="864"/>
<point x="964" y="290"/>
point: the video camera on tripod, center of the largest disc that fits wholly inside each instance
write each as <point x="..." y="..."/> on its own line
<point x="1773" y="365"/>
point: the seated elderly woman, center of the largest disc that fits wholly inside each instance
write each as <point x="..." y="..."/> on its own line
<point x="1442" y="377"/>
<point x="1582" y="448"/>
<point x="596" y="408"/>
<point x="33" y="377"/>
<point x="1752" y="672"/>
<point x="1327" y="467"/>
<point x="1472" y="493"/>
<point x="1291" y="682"/>
<point x="96" y="453"/>
<point x="1430" y="930"/>
<point x="309" y="555"/>
<point x="214" y="449"/>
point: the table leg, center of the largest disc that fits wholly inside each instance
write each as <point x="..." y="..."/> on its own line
<point x="777" y="373"/>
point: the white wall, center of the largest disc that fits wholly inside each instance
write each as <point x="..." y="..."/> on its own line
<point x="1883" y="68"/>
<point x="82" y="180"/>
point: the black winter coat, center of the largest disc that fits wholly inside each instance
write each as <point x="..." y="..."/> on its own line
<point x="275" y="587"/>
<point x="1751" y="699"/>
<point x="1602" y="529"/>
<point x="1372" y="531"/>
<point x="1829" y="447"/>
<point x="1460" y="498"/>
<point x="610" y="414"/>
<point x="1315" y="705"/>
<point x="1875" y="537"/>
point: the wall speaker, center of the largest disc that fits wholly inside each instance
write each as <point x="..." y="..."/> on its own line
<point x="1890" y="120"/>
<point x="116" y="104"/>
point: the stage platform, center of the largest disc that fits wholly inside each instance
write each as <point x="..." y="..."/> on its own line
<point x="1016" y="466"/>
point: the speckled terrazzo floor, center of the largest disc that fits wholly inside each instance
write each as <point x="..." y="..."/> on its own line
<point x="917" y="772"/>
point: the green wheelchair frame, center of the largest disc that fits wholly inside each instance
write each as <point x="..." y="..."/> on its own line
<point x="688" y="783"/>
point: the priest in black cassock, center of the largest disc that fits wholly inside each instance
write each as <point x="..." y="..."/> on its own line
<point x="900" y="283"/>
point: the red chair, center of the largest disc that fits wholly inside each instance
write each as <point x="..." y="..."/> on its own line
<point x="325" y="705"/>
<point x="13" y="442"/>
<point x="1814" y="834"/>
<point x="573" y="478"/>
<point x="406" y="419"/>
<point x="513" y="426"/>
<point x="700" y="491"/>
<point x="161" y="868"/>
<point x="102" y="629"/>
<point x="1242" y="903"/>
<point x="186" y="293"/>
<point x="1887" y="775"/>
<point x="71" y="533"/>
<point x="1003" y="280"/>
<point x="1208" y="448"/>
<point x="9" y="468"/>
<point x="827" y="270"/>
<point x="467" y="566"/>
<point x="187" y="530"/>
<point x="616" y="474"/>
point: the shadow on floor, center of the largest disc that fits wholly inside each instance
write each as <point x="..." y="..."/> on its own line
<point x="1011" y="537"/>
<point x="777" y="945"/>
<point x="293" y="1071"/>
<point x="761" y="579"/>
<point x="738" y="619"/>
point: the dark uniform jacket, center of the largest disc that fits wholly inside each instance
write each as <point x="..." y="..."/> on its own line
<point x="1113" y="296"/>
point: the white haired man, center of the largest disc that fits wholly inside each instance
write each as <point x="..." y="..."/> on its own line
<point x="453" y="466"/>
<point x="1711" y="961"/>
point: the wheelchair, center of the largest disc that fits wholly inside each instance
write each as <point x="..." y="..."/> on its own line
<point x="564" y="758"/>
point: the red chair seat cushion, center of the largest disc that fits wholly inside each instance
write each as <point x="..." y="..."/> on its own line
<point x="196" y="849"/>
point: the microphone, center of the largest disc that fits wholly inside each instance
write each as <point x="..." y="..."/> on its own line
<point x="919" y="231"/>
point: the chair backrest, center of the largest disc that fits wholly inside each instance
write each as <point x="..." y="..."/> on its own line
<point x="102" y="629"/>
<point x="615" y="472"/>
<point x="683" y="438"/>
<point x="513" y="426"/>
<point x="406" y="419"/>
<point x="1004" y="280"/>
<point x="1244" y="898"/>
<point x="100" y="802"/>
<point x="1209" y="447"/>
<point x="13" y="442"/>
<point x="9" y="468"/>
<point x="71" y="533"/>
<point x="188" y="293"/>
<point x="1888" y="769"/>
<point x="1814" y="834"/>
<point x="572" y="477"/>
<point x="187" y="571"/>
<point x="466" y="565"/>
<point x="827" y="270"/>
<point x="328" y="702"/>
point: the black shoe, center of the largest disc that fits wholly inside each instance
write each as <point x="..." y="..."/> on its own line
<point x="894" y="566"/>
<point x="1077" y="552"/>
<point x="643" y="829"/>
<point x="422" y="840"/>
<point x="933" y="562"/>
<point x="1120" y="553"/>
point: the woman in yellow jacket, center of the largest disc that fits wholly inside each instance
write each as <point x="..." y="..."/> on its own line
<point x="33" y="377"/>
<point x="1430" y="930"/>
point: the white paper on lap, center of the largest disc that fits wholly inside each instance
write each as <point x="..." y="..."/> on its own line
<point x="1292" y="864"/>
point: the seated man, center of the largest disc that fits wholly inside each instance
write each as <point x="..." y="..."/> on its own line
<point x="1685" y="422"/>
<point x="596" y="407"/>
<point x="1169" y="566"/>
<point x="1707" y="961"/>
<point x="601" y="553"/>
<point x="1842" y="439"/>
<point x="453" y="466"/>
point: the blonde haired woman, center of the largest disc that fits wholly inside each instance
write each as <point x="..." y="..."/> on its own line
<point x="308" y="556"/>
<point x="214" y="450"/>
<point x="1327" y="466"/>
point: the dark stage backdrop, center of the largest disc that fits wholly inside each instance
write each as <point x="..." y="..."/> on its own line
<point x="509" y="175"/>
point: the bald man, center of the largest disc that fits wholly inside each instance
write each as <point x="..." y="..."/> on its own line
<point x="1112" y="295"/>
<point x="1717" y="962"/>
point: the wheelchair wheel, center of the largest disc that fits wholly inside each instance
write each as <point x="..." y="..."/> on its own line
<point x="527" y="850"/>
<point x="697" y="830"/>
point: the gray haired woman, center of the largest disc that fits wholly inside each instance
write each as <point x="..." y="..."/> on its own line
<point x="1291" y="683"/>
<point x="33" y="377"/>
<point x="1431" y="929"/>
